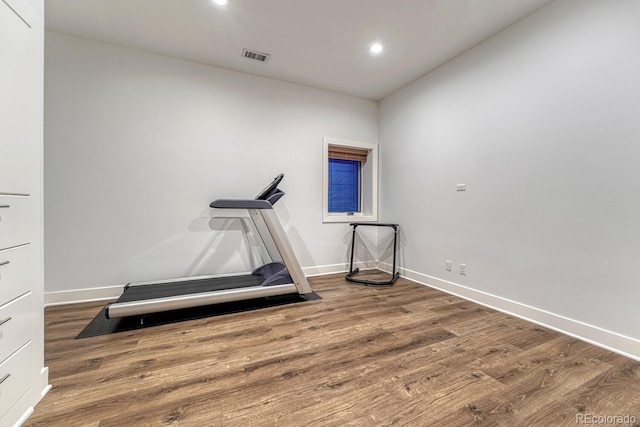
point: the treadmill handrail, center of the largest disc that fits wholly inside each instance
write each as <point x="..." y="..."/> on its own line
<point x="240" y="204"/>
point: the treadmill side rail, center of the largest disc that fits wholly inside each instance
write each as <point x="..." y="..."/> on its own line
<point x="136" y="308"/>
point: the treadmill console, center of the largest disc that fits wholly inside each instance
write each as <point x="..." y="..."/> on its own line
<point x="268" y="190"/>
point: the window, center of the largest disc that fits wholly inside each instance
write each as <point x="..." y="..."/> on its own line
<point x="350" y="174"/>
<point x="344" y="185"/>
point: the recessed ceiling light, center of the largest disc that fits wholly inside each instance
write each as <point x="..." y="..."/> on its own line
<point x="220" y="2"/>
<point x="375" y="48"/>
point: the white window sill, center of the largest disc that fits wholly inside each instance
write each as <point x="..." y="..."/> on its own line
<point x="349" y="218"/>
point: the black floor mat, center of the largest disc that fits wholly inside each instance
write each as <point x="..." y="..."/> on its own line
<point x="100" y="325"/>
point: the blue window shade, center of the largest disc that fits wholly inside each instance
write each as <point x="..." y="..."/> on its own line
<point x="344" y="185"/>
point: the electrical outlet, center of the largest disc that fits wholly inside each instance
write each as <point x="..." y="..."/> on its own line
<point x="461" y="187"/>
<point x="449" y="265"/>
<point x="463" y="269"/>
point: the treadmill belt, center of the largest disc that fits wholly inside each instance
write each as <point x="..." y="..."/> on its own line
<point x="144" y="292"/>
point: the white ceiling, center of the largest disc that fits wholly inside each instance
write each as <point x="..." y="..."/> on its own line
<point x="318" y="43"/>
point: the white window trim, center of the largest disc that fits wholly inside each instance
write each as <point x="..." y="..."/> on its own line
<point x="369" y="202"/>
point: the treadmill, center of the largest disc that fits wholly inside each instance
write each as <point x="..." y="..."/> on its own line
<point x="282" y="276"/>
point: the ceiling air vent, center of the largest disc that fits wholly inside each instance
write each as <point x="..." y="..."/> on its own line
<point x="252" y="54"/>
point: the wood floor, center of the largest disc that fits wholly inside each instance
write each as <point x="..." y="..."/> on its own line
<point x="406" y="355"/>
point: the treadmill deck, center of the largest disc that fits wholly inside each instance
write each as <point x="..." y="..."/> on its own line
<point x="188" y="287"/>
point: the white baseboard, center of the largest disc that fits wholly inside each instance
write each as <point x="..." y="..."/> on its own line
<point x="82" y="295"/>
<point x="336" y="268"/>
<point x="612" y="341"/>
<point x="24" y="417"/>
<point x="325" y="269"/>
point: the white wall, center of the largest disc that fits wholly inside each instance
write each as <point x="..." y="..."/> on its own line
<point x="541" y="123"/>
<point x="38" y="8"/>
<point x="137" y="145"/>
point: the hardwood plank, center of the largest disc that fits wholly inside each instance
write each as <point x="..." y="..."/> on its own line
<point x="615" y="391"/>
